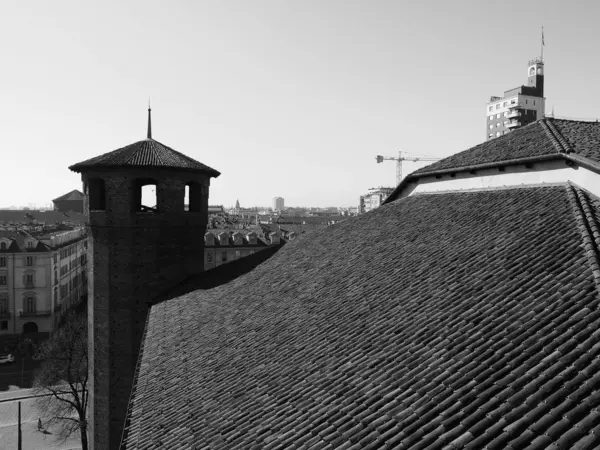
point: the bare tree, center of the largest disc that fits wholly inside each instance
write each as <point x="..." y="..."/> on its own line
<point x="62" y="380"/>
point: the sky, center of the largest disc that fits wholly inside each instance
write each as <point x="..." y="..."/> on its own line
<point x="285" y="98"/>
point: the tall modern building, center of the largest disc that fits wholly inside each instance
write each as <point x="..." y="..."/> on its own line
<point x="518" y="106"/>
<point x="278" y="204"/>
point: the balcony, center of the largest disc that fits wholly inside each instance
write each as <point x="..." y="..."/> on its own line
<point x="514" y="113"/>
<point x="45" y="312"/>
<point x="513" y="124"/>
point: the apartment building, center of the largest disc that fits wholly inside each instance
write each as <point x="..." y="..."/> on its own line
<point x="40" y="278"/>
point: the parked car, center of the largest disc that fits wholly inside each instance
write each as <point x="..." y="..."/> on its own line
<point x="8" y="358"/>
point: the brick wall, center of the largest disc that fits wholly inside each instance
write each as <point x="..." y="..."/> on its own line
<point x="132" y="256"/>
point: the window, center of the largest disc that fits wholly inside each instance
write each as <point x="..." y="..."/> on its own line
<point x="29" y="304"/>
<point x="498" y="106"/>
<point x="491" y="108"/>
<point x="513" y="101"/>
<point x="498" y="125"/>
<point x="491" y="117"/>
<point x="29" y="244"/>
<point x="2" y="280"/>
<point x="505" y="122"/>
<point x="504" y="104"/>
<point x="491" y="126"/>
<point x="534" y="102"/>
<point x="497" y="116"/>
<point x="55" y="258"/>
<point x="29" y="261"/>
<point x="497" y="134"/>
<point x="506" y="114"/>
<point x="97" y="195"/>
<point x="3" y="325"/>
<point x="209" y="257"/>
<point x="3" y="246"/>
<point x="490" y="136"/>
<point x="2" y="261"/>
<point x="3" y="305"/>
<point x="145" y="198"/>
<point x="237" y="254"/>
<point x="526" y="101"/>
<point x="224" y="256"/>
<point x="29" y="278"/>
<point x="194" y="196"/>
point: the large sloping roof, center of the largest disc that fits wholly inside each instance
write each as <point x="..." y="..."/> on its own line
<point x="146" y="153"/>
<point x="463" y="320"/>
<point x="73" y="195"/>
<point x="545" y="137"/>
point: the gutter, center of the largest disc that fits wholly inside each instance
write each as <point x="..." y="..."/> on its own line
<point x="569" y="157"/>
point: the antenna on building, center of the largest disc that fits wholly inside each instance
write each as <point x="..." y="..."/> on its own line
<point x="542" y="55"/>
<point x="149" y="120"/>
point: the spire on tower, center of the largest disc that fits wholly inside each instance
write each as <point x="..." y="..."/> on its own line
<point x="149" y="120"/>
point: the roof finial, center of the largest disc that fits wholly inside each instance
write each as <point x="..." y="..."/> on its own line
<point x="149" y="120"/>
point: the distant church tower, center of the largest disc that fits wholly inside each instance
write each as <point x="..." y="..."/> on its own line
<point x="137" y="252"/>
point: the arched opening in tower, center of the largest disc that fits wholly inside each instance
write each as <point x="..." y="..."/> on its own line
<point x="97" y="194"/>
<point x="193" y="197"/>
<point x="145" y="195"/>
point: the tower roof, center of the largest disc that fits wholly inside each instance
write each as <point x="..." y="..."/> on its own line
<point x="147" y="154"/>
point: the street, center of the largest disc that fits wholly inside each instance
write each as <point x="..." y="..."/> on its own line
<point x="18" y="374"/>
<point x="32" y="438"/>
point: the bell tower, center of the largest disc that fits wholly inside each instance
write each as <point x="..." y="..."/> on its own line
<point x="535" y="74"/>
<point x="137" y="251"/>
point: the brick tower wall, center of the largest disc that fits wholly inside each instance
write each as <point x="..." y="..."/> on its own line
<point x="133" y="257"/>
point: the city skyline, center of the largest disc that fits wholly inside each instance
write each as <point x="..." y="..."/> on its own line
<point x="300" y="97"/>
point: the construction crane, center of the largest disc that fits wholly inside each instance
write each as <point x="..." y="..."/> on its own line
<point x="399" y="160"/>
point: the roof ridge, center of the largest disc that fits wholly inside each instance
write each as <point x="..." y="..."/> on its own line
<point x="559" y="141"/>
<point x="587" y="228"/>
<point x="156" y="154"/>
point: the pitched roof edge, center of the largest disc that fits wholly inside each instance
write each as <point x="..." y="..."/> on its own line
<point x="587" y="227"/>
<point x="134" y="385"/>
<point x="490" y="165"/>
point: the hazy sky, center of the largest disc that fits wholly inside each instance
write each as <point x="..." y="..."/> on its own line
<point x="284" y="98"/>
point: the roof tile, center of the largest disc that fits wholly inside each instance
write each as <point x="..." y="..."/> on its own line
<point x="397" y="346"/>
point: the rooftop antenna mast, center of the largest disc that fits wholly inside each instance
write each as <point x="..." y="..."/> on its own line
<point x="542" y="55"/>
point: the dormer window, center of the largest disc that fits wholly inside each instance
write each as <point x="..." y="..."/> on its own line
<point x="30" y="244"/>
<point x="2" y="245"/>
<point x="209" y="239"/>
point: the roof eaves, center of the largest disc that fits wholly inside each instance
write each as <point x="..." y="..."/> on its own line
<point x="490" y="165"/>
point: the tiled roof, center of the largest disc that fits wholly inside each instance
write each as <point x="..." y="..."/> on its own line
<point x="462" y="320"/>
<point x="545" y="137"/>
<point x="73" y="195"/>
<point x="18" y="216"/>
<point x="146" y="153"/>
